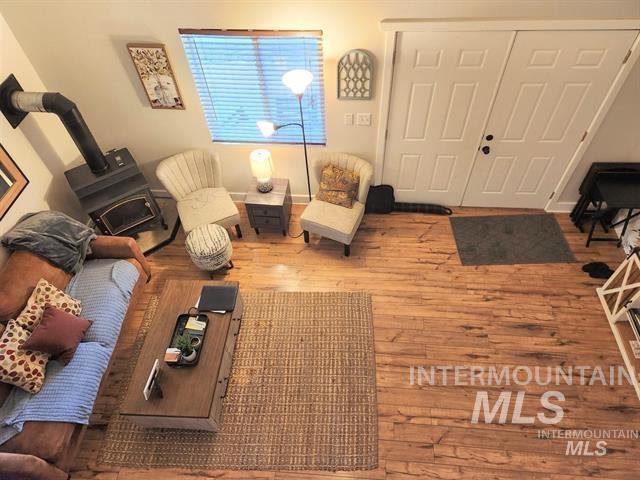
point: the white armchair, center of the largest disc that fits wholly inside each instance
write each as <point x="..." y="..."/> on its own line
<point x="333" y="221"/>
<point x="193" y="178"/>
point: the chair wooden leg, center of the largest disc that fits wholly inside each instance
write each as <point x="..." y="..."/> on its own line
<point x="230" y="265"/>
<point x="238" y="231"/>
<point x="306" y="237"/>
<point x="347" y="250"/>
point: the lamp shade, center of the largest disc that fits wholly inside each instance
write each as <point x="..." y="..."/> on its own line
<point x="266" y="128"/>
<point x="297" y="80"/>
<point x="261" y="164"/>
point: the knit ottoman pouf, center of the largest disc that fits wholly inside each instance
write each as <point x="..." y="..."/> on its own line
<point x="209" y="247"/>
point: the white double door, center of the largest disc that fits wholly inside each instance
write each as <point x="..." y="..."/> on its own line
<point x="493" y="118"/>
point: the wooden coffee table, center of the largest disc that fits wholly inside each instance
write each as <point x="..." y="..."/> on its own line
<point x="192" y="396"/>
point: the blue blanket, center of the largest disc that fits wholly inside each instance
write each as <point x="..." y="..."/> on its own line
<point x="54" y="235"/>
<point x="69" y="392"/>
<point x="104" y="287"/>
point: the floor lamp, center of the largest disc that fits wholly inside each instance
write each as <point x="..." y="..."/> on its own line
<point x="297" y="81"/>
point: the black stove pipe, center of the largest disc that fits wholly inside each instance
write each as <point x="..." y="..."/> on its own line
<point x="71" y="118"/>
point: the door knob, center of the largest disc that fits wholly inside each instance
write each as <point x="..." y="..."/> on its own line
<point x="486" y="149"/>
<point x="489" y="137"/>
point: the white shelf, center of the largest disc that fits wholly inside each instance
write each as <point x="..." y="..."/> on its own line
<point x="620" y="292"/>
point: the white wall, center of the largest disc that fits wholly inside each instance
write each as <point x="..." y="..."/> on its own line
<point x="33" y="150"/>
<point x="78" y="48"/>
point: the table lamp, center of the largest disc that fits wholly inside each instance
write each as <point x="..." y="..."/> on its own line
<point x="262" y="169"/>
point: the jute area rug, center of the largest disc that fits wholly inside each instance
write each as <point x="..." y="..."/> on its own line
<point x="302" y="393"/>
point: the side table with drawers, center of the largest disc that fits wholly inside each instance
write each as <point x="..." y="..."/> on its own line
<point x="271" y="210"/>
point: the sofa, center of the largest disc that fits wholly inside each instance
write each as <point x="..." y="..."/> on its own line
<point x="45" y="450"/>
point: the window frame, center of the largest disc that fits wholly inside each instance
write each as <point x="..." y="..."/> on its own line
<point x="265" y="33"/>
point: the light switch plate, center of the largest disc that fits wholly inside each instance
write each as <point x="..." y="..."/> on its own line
<point x="363" y="119"/>
<point x="348" y="118"/>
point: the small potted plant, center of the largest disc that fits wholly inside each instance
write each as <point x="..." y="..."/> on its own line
<point x="183" y="342"/>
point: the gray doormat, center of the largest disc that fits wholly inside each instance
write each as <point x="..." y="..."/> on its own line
<point x="510" y="239"/>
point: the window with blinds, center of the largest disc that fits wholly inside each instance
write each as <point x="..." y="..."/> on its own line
<point x="238" y="75"/>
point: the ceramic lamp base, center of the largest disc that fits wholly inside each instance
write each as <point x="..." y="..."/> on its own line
<point x="265" y="187"/>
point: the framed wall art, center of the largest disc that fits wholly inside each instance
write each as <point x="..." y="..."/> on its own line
<point x="12" y="182"/>
<point x="156" y="75"/>
<point x="355" y="75"/>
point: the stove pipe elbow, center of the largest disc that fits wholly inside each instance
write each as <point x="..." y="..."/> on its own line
<point x="71" y="118"/>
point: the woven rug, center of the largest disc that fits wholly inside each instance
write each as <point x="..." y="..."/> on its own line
<point x="510" y="239"/>
<point x="302" y="393"/>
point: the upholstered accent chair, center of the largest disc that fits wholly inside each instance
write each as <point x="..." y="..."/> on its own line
<point x="194" y="179"/>
<point x="333" y="221"/>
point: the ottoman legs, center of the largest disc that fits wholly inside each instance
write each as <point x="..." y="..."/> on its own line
<point x="228" y="266"/>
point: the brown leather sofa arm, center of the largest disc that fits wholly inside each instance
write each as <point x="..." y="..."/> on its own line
<point x="14" y="466"/>
<point x="105" y="246"/>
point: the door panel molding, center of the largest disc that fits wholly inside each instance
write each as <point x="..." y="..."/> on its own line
<point x="567" y="103"/>
<point x="461" y="92"/>
<point x="554" y="204"/>
<point x="523" y="111"/>
<point x="440" y="112"/>
<point x="392" y="27"/>
<point x="554" y="128"/>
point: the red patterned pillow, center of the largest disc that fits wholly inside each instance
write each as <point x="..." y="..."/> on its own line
<point x="45" y="294"/>
<point x="22" y="368"/>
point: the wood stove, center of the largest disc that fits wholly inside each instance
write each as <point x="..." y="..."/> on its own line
<point x="119" y="200"/>
<point x="111" y="188"/>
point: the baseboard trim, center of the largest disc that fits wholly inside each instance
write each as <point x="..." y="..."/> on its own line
<point x="558" y="207"/>
<point x="235" y="196"/>
<point x="561" y="207"/>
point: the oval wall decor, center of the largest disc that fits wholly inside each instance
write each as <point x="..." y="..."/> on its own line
<point x="355" y="75"/>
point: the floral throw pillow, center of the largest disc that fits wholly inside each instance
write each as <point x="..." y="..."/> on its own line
<point x="22" y="368"/>
<point x="46" y="294"/>
<point x="338" y="186"/>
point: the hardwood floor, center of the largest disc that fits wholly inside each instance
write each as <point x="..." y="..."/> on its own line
<point x="430" y="310"/>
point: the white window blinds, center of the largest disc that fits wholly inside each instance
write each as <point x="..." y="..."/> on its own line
<point x="239" y="78"/>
